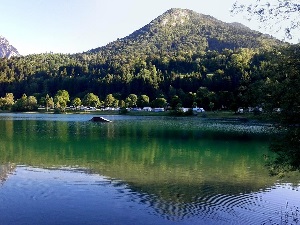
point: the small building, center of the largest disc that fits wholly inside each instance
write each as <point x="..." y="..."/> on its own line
<point x="159" y="110"/>
<point x="240" y="110"/>
<point x="147" y="109"/>
<point x="198" y="110"/>
<point x="185" y="109"/>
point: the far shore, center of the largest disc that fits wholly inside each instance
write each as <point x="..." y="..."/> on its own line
<point x="213" y="115"/>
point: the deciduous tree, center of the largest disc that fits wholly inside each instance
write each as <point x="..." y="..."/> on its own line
<point x="7" y="102"/>
<point x="61" y="99"/>
<point x="76" y="102"/>
<point x="131" y="100"/>
<point x="91" y="99"/>
<point x="143" y="101"/>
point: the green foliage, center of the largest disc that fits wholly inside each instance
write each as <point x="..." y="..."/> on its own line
<point x="49" y="102"/>
<point x="285" y="83"/>
<point x="7" y="102"/>
<point x="131" y="100"/>
<point x="183" y="32"/>
<point x="143" y="101"/>
<point x="182" y="53"/>
<point x="111" y="101"/>
<point x="76" y="102"/>
<point x="61" y="99"/>
<point x="25" y="104"/>
<point x="159" y="103"/>
<point x="175" y="102"/>
<point x="91" y="99"/>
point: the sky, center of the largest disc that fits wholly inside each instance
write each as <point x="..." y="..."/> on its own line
<point x="75" y="26"/>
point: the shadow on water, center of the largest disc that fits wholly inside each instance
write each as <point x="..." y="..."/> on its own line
<point x="286" y="146"/>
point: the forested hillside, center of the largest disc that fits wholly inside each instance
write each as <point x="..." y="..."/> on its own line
<point x="185" y="31"/>
<point x="182" y="57"/>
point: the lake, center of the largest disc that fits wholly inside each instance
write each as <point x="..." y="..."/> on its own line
<point x="64" y="169"/>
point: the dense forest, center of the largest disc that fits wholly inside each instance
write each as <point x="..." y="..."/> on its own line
<point x="229" y="79"/>
<point x="181" y="57"/>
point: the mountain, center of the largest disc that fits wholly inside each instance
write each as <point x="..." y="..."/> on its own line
<point x="186" y="31"/>
<point x="181" y="53"/>
<point x="7" y="50"/>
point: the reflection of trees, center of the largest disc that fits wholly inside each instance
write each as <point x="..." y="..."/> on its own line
<point x="287" y="148"/>
<point x="144" y="154"/>
<point x="176" y="168"/>
<point x="5" y="170"/>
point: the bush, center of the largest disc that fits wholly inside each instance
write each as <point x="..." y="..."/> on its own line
<point x="123" y="111"/>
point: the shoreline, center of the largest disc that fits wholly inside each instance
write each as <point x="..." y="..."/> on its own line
<point x="228" y="116"/>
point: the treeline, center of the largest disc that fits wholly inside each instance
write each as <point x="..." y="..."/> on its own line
<point x="62" y="99"/>
<point x="229" y="79"/>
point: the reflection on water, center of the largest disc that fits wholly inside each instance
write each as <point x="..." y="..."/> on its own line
<point x="137" y="169"/>
<point x="5" y="171"/>
<point x="76" y="196"/>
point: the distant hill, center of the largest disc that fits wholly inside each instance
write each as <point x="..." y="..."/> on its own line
<point x="7" y="50"/>
<point x="186" y="31"/>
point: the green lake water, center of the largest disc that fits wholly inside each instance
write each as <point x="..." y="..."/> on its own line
<point x="64" y="169"/>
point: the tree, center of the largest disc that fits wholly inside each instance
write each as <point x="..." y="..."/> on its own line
<point x="283" y="15"/>
<point x="49" y="103"/>
<point x="143" y="101"/>
<point x="175" y="101"/>
<point x="76" y="102"/>
<point x="31" y="103"/>
<point x="109" y="101"/>
<point x="189" y="99"/>
<point x="25" y="104"/>
<point x="64" y="95"/>
<point x="282" y="74"/>
<point x="159" y="103"/>
<point x="61" y="99"/>
<point x="131" y="100"/>
<point x="7" y="102"/>
<point x="211" y="105"/>
<point x="121" y="104"/>
<point x="91" y="99"/>
<point x="285" y="70"/>
<point x="20" y="104"/>
<point x="204" y="97"/>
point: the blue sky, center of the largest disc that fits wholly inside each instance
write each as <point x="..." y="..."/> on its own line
<point x="71" y="26"/>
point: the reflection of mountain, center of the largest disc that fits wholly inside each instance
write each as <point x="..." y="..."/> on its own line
<point x="172" y="166"/>
<point x="5" y="170"/>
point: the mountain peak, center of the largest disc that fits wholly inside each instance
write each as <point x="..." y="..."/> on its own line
<point x="184" y="30"/>
<point x="174" y="16"/>
<point x="7" y="50"/>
